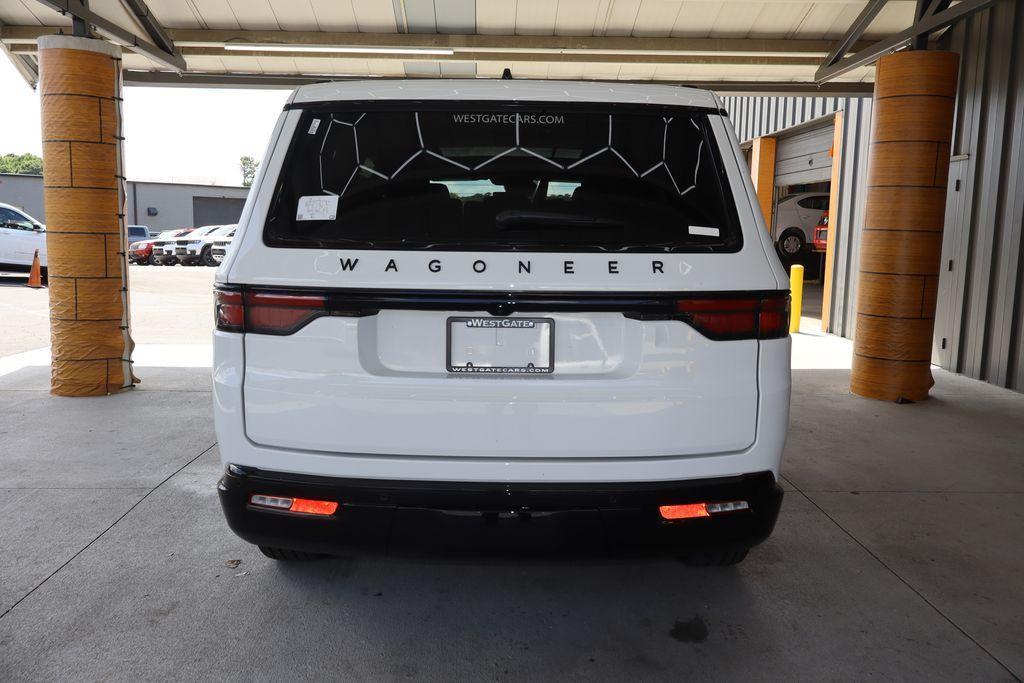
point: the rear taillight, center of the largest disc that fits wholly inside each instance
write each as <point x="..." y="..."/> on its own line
<point x="228" y="312"/>
<point x="265" y="312"/>
<point x="755" y="317"/>
<point x="270" y="313"/>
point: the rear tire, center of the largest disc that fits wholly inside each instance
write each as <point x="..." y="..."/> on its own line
<point x="286" y="555"/>
<point x="715" y="557"/>
<point x="152" y="261"/>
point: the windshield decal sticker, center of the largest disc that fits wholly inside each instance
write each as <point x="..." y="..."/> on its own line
<point x="317" y="208"/>
<point x="704" y="231"/>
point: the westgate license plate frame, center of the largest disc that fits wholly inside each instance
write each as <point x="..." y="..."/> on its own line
<point x="503" y="371"/>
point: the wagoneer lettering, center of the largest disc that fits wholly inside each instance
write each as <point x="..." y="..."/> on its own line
<point x="508" y="296"/>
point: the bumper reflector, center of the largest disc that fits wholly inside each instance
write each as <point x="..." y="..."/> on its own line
<point x="304" y="506"/>
<point x="694" y="510"/>
<point x="684" y="511"/>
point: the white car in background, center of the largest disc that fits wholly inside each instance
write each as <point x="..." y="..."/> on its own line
<point x="199" y="250"/>
<point x="176" y="250"/>
<point x="795" y="218"/>
<point x="20" y="237"/>
<point x="220" y="246"/>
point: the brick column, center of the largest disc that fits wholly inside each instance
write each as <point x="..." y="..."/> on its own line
<point x="901" y="243"/>
<point x="80" y="92"/>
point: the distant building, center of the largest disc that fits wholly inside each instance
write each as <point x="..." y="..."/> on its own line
<point x="161" y="206"/>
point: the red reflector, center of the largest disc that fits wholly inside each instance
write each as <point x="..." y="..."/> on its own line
<point x="688" y="511"/>
<point x="313" y="507"/>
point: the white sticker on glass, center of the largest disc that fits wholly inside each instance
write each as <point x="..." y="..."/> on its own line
<point x="313" y="126"/>
<point x="704" y="230"/>
<point x="317" y="208"/>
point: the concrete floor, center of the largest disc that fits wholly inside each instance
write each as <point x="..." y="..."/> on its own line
<point x="898" y="554"/>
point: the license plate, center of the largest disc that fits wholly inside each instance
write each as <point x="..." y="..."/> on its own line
<point x="501" y="346"/>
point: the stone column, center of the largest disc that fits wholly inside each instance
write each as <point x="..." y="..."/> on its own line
<point x="80" y="93"/>
<point x="900" y="247"/>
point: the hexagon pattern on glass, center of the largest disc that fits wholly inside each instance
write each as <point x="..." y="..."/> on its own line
<point x="406" y="141"/>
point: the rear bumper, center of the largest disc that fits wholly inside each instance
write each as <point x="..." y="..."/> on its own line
<point x="398" y="513"/>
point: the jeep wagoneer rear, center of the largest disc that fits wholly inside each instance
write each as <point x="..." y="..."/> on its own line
<point x="501" y="297"/>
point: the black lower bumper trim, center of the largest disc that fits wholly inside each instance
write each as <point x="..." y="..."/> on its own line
<point x="496" y="516"/>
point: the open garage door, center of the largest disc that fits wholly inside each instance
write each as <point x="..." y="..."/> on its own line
<point x="805" y="155"/>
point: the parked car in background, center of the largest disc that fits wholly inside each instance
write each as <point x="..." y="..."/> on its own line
<point x="821" y="232"/>
<point x="20" y="237"/>
<point x="199" y="250"/>
<point x="142" y="252"/>
<point x="221" y="245"/>
<point x="137" y="233"/>
<point x="180" y="244"/>
<point x="795" y="218"/>
<point x="163" y="247"/>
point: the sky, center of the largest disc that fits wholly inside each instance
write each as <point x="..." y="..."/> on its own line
<point x="171" y="134"/>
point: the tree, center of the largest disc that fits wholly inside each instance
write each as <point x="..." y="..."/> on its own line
<point x="248" y="166"/>
<point x="25" y="164"/>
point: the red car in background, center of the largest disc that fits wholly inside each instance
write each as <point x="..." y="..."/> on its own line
<point x="141" y="252"/>
<point x="821" y="232"/>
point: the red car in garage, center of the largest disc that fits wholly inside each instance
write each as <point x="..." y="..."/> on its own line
<point x="821" y="232"/>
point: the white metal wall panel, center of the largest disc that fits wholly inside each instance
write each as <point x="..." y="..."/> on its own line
<point x="984" y="324"/>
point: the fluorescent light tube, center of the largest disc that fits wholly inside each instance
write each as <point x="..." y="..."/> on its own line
<point x="278" y="47"/>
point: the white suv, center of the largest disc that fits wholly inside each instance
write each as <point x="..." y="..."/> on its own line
<point x="199" y="249"/>
<point x="502" y="299"/>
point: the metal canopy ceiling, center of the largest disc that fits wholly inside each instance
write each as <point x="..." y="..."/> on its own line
<point x="737" y="45"/>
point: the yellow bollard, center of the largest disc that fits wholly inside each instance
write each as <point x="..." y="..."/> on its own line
<point x="796" y="290"/>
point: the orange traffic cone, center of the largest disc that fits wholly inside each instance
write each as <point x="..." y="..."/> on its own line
<point x="35" y="277"/>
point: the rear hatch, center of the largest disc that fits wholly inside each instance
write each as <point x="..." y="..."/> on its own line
<point x="498" y="281"/>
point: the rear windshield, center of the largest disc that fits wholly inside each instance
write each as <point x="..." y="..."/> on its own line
<point x="487" y="177"/>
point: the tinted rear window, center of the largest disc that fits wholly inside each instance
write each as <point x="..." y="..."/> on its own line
<point x="487" y="177"/>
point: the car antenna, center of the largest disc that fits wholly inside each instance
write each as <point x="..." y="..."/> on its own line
<point x="506" y="75"/>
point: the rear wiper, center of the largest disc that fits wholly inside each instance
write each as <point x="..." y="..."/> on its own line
<point x="512" y="219"/>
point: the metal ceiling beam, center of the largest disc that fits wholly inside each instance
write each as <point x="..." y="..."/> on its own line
<point x="856" y="30"/>
<point x="25" y="65"/>
<point x="500" y="57"/>
<point x="514" y="45"/>
<point x="140" y="10"/>
<point x="116" y="34"/>
<point x="287" y="82"/>
<point x="505" y="58"/>
<point x="930" y="22"/>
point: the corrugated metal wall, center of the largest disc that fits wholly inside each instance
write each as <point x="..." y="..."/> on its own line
<point x="981" y="303"/>
<point x="984" y="327"/>
<point x="757" y="116"/>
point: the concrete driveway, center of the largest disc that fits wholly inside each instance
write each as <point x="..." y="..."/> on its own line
<point x="898" y="554"/>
